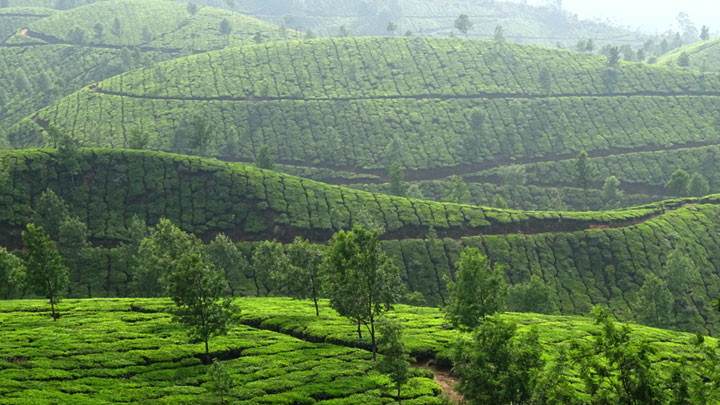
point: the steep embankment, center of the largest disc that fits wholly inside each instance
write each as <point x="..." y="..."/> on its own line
<point x="586" y="258"/>
<point x="63" y="52"/>
<point x="437" y="106"/>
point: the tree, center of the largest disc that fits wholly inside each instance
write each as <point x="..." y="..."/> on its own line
<point x="698" y="186"/>
<point x="457" y="191"/>
<point x="498" y="366"/>
<point x="138" y="139"/>
<point x="391" y="27"/>
<point x="257" y="38"/>
<point x="301" y="279"/>
<point x="158" y="256"/>
<point x="396" y="360"/>
<point x="678" y="183"/>
<point x="398" y="186"/>
<point x="343" y="32"/>
<point x="128" y="252"/>
<point x="12" y="270"/>
<point x="220" y="381"/>
<point x="360" y="280"/>
<point x="705" y="33"/>
<point x="50" y="212"/>
<point x="116" y="27"/>
<point x="226" y="257"/>
<point x="68" y="154"/>
<point x="147" y="34"/>
<point x="268" y="261"/>
<point x="533" y="296"/>
<point x="654" y="302"/>
<point x="514" y="175"/>
<point x="589" y="46"/>
<point x="226" y="29"/>
<point x="415" y="192"/>
<point x="683" y="60"/>
<point x="192" y="8"/>
<point x="463" y="24"/>
<point x="46" y="274"/>
<point x="499" y="202"/>
<point x="197" y="288"/>
<point x="263" y="160"/>
<point x="76" y="36"/>
<point x="200" y="134"/>
<point x="22" y="84"/>
<point x="499" y="35"/>
<point x="613" y="56"/>
<point x="99" y="32"/>
<point x="615" y="368"/>
<point x="584" y="174"/>
<point x="480" y="290"/>
<point x="545" y="79"/>
<point x="72" y="243"/>
<point x="611" y="194"/>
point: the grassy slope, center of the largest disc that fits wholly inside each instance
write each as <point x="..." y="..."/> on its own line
<point x="703" y="55"/>
<point x="70" y="67"/>
<point x="339" y="104"/>
<point x="101" y="352"/>
<point x="585" y="267"/>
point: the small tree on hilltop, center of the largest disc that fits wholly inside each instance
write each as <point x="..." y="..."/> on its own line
<point x="396" y="360"/>
<point x="480" y="290"/>
<point x="463" y="24"/>
<point x="361" y="281"/>
<point x="197" y="288"/>
<point x="611" y="194"/>
<point x="301" y="279"/>
<point x="226" y="29"/>
<point x="705" y="33"/>
<point x="192" y="8"/>
<point x="533" y="296"/>
<point x="391" y="27"/>
<point x="46" y="274"/>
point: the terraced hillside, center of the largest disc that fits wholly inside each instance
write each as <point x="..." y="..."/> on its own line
<point x="12" y="19"/>
<point x="439" y="107"/>
<point x="587" y="258"/>
<point x="522" y="23"/>
<point x="703" y="56"/>
<point x="102" y="352"/>
<point x="57" y="55"/>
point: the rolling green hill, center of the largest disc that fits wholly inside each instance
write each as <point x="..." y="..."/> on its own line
<point x="703" y="56"/>
<point x="588" y="259"/>
<point x="46" y="62"/>
<point x="437" y="106"/>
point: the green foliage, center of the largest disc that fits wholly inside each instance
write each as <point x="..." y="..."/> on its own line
<point x="263" y="160"/>
<point x="224" y="255"/>
<point x="45" y="275"/>
<point x="395" y="360"/>
<point x="698" y="186"/>
<point x="498" y="366"/>
<point x="457" y="191"/>
<point x="533" y="296"/>
<point x="584" y="174"/>
<point x="220" y="381"/>
<point x="678" y="183"/>
<point x="463" y="24"/>
<point x="398" y="186"/>
<point x="302" y="278"/>
<point x="655" y="302"/>
<point x="50" y="212"/>
<point x="12" y="273"/>
<point x="480" y="290"/>
<point x="359" y="279"/>
<point x="611" y="194"/>
<point x="269" y="263"/>
<point x="197" y="288"/>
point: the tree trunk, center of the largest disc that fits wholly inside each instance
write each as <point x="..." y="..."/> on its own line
<point x="52" y="308"/>
<point x="317" y="309"/>
<point x="207" y="352"/>
<point x="399" y="399"/>
<point x="372" y="337"/>
<point x="359" y="331"/>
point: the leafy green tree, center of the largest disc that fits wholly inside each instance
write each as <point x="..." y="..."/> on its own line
<point x="499" y="35"/>
<point x="396" y="359"/>
<point x="499" y="202"/>
<point x="77" y="253"/>
<point x="698" y="186"/>
<point x="343" y="32"/>
<point x="76" y="36"/>
<point x="263" y="160"/>
<point x="68" y="154"/>
<point x="498" y="365"/>
<point x="613" y="56"/>
<point x="226" y="30"/>
<point x="457" y="191"/>
<point x="99" y="32"/>
<point x="138" y="139"/>
<point x="360" y="280"/>
<point x="463" y="24"/>
<point x="533" y="296"/>
<point x="705" y="33"/>
<point x="584" y="175"/>
<point x="147" y="34"/>
<point x="158" y="256"/>
<point x="480" y="290"/>
<point x="302" y="278"/>
<point x="589" y="46"/>
<point x="220" y="381"/>
<point x="513" y="175"/>
<point x="128" y="252"/>
<point x="225" y="256"/>
<point x="611" y="194"/>
<point x="678" y="183"/>
<point x="415" y="192"/>
<point x="46" y="274"/>
<point x="197" y="288"/>
<point x="116" y="27"/>
<point x="654" y="302"/>
<point x="50" y="212"/>
<point x="258" y="38"/>
<point x="192" y="8"/>
<point x="268" y="261"/>
<point x="683" y="60"/>
<point x="392" y="28"/>
<point x="398" y="186"/>
<point x="12" y="271"/>
<point x="201" y="134"/>
<point x="615" y="368"/>
<point x="22" y="84"/>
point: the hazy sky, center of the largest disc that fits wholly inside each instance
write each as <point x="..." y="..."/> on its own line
<point x="649" y="15"/>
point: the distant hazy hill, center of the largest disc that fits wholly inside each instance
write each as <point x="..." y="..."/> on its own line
<point x="703" y="56"/>
<point x="14" y="18"/>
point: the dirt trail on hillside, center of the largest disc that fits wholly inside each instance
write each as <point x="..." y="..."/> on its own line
<point x="444" y="378"/>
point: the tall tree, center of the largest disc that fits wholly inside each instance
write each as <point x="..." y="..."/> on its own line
<point x="50" y="212"/>
<point x="584" y="175"/>
<point x="77" y="254"/>
<point x="654" y="302"/>
<point x="220" y="381"/>
<point x="360" y="280"/>
<point x="698" y="186"/>
<point x="263" y="160"/>
<point x="268" y="261"/>
<point x="499" y="35"/>
<point x="613" y="56"/>
<point x="99" y="32"/>
<point x="398" y="186"/>
<point x="226" y="257"/>
<point x="301" y="279"/>
<point x="480" y="290"/>
<point x="12" y="271"/>
<point x="678" y="183"/>
<point x="705" y="33"/>
<point x="533" y="296"/>
<point x="226" y="29"/>
<point x="46" y="274"/>
<point x="611" y="194"/>
<point x="192" y="8"/>
<point x="201" y="135"/>
<point x="391" y="28"/>
<point x="463" y="24"/>
<point x="683" y="60"/>
<point x="457" y="191"/>
<point x="396" y="359"/>
<point x="197" y="288"/>
<point x="498" y="366"/>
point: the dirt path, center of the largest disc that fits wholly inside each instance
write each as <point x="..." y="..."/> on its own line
<point x="445" y="379"/>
